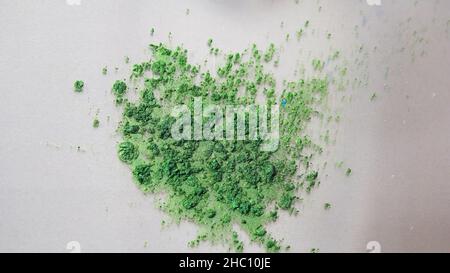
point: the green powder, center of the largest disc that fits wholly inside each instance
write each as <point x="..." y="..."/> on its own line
<point x="78" y="86"/>
<point x="96" y="123"/>
<point x="348" y="172"/>
<point x="315" y="250"/>
<point x="223" y="186"/>
<point x="119" y="89"/>
<point x="219" y="184"/>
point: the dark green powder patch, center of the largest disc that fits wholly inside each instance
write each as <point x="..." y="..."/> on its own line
<point x="78" y="86"/>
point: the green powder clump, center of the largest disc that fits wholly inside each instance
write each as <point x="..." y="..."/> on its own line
<point x="219" y="184"/>
<point x="78" y="86"/>
<point x="348" y="172"/>
<point x="96" y="123"/>
<point x="314" y="250"/>
<point x="119" y="89"/>
<point x="128" y="152"/>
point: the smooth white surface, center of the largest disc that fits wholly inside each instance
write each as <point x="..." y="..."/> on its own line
<point x="397" y="146"/>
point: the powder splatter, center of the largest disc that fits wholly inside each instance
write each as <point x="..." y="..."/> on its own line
<point x="218" y="184"/>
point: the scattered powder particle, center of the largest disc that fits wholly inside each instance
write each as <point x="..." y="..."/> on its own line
<point x="96" y="123"/>
<point x="318" y="64"/>
<point x="373" y="97"/>
<point x="348" y="172"/>
<point x="299" y="34"/>
<point x="268" y="56"/>
<point x="119" y="89"/>
<point x="78" y="86"/>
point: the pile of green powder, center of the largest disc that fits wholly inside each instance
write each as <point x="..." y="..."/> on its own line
<point x="219" y="184"/>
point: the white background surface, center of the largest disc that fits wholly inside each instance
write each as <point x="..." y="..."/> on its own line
<point x="397" y="146"/>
